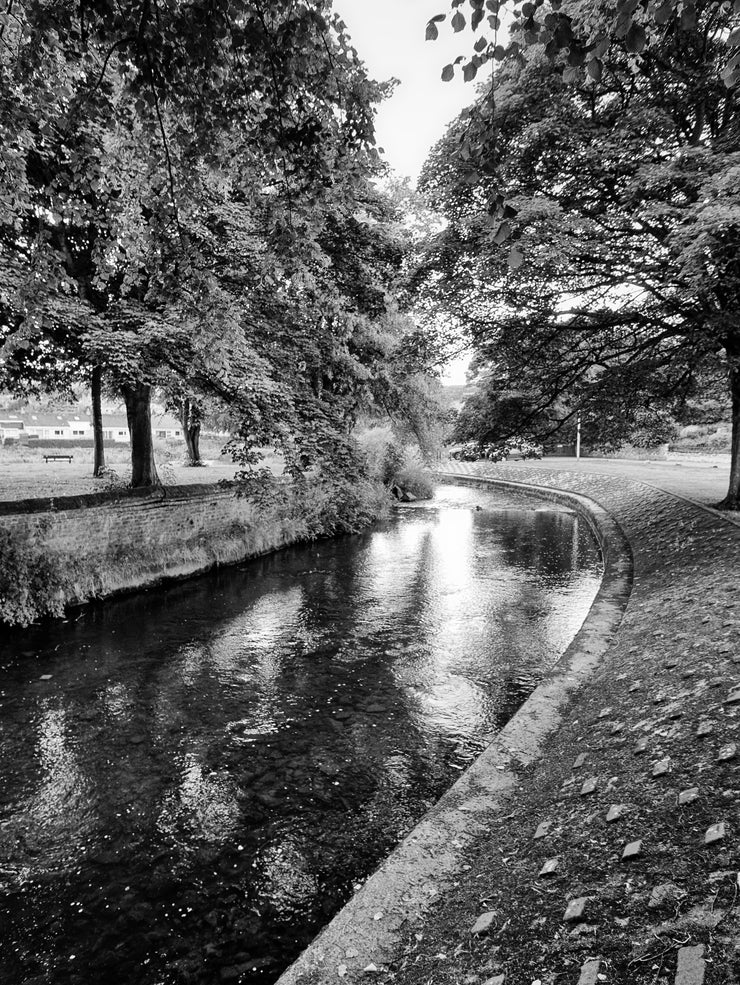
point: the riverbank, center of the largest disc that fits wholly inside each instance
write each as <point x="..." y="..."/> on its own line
<point x="700" y="478"/>
<point x="66" y="550"/>
<point x="194" y="779"/>
<point x="614" y="855"/>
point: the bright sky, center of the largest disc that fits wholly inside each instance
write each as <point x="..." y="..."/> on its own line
<point x="389" y="36"/>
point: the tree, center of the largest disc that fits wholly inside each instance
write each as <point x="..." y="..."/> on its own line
<point x="575" y="34"/>
<point x="140" y="146"/>
<point x="613" y="281"/>
<point x="582" y="30"/>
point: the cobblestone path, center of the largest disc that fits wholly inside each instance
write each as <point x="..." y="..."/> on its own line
<point x="619" y="861"/>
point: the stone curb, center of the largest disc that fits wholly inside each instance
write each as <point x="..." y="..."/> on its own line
<point x="711" y="510"/>
<point x="365" y="933"/>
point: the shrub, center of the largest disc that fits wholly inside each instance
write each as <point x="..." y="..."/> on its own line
<point x="393" y="462"/>
<point x="346" y="507"/>
<point x="318" y="507"/>
<point x="415" y="479"/>
<point x="32" y="584"/>
<point x="373" y="443"/>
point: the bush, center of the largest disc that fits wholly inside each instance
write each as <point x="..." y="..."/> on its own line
<point x="345" y="507"/>
<point x="415" y="479"/>
<point x="319" y="507"/>
<point x="711" y="438"/>
<point x="32" y="584"/>
<point x="393" y="462"/>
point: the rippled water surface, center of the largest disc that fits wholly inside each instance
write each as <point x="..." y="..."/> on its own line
<point x="210" y="770"/>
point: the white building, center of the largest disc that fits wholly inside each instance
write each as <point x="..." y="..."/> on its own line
<point x="31" y="427"/>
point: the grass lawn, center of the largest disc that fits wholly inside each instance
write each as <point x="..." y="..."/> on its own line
<point x="25" y="475"/>
<point x="701" y="478"/>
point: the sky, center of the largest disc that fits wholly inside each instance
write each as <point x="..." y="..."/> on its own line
<point x="389" y="36"/>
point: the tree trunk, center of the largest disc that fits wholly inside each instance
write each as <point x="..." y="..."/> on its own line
<point x="190" y="430"/>
<point x="138" y="413"/>
<point x="732" y="499"/>
<point x="97" y="421"/>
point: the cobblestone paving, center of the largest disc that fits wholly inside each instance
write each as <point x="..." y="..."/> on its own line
<point x="620" y="864"/>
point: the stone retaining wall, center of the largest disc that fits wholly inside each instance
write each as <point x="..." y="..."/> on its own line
<point x="130" y="539"/>
<point x="366" y="932"/>
<point x="647" y="732"/>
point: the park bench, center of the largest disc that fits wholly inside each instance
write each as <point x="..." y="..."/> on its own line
<point x="58" y="458"/>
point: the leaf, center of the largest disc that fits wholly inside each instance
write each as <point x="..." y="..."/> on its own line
<point x="480" y="44"/>
<point x="636" y="38"/>
<point x="664" y="13"/>
<point x="458" y="22"/>
<point x="595" y="69"/>
<point x="516" y="258"/>
<point x="502" y="233"/>
<point x="576" y="55"/>
<point x="476" y="18"/>
<point x="432" y="32"/>
<point x="470" y="71"/>
<point x="448" y="73"/>
<point x="688" y="17"/>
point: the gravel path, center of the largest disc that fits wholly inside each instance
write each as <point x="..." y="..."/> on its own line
<point x="616" y="858"/>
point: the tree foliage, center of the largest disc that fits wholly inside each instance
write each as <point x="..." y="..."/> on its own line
<point x="581" y="30"/>
<point x="186" y="202"/>
<point x="612" y="284"/>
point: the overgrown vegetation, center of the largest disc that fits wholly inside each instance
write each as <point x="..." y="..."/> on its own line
<point x="394" y="463"/>
<point x="34" y="581"/>
<point x="38" y="581"/>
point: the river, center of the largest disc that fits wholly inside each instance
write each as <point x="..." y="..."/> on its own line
<point x="194" y="779"/>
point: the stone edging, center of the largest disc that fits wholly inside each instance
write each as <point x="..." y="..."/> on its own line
<point x="396" y="896"/>
<point x="55" y="504"/>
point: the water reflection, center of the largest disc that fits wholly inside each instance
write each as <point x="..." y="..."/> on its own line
<point x="212" y="768"/>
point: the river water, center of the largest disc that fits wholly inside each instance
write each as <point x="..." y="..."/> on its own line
<point x="193" y="780"/>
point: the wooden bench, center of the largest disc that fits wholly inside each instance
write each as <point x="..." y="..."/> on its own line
<point x="58" y="458"/>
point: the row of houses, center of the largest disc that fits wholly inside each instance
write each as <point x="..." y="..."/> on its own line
<point x="28" y="428"/>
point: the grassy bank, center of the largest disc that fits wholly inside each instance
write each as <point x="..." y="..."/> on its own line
<point x="38" y="579"/>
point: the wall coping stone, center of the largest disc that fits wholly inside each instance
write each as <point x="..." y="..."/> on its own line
<point x="55" y="504"/>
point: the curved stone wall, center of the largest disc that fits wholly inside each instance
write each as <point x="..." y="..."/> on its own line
<point x="366" y="932"/>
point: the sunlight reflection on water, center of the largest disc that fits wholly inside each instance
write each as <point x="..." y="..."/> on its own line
<point x="213" y="767"/>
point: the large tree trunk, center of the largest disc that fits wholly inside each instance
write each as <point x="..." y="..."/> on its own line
<point x="138" y="412"/>
<point x="191" y="430"/>
<point x="732" y="499"/>
<point x="97" y="421"/>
